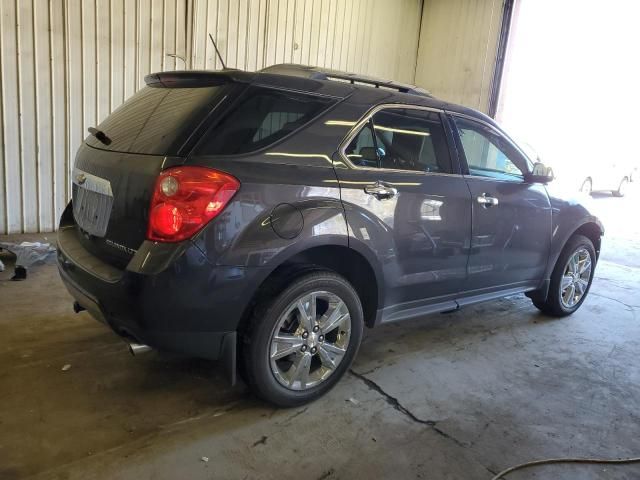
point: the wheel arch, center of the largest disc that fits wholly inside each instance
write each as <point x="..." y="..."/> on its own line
<point x="593" y="232"/>
<point x="586" y="179"/>
<point x="337" y="257"/>
<point x="590" y="228"/>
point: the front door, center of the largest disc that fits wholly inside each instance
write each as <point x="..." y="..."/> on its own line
<point x="407" y="203"/>
<point x="511" y="226"/>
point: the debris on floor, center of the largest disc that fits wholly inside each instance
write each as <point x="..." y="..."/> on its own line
<point x="19" y="273"/>
<point x="1" y="266"/>
<point x="28" y="254"/>
<point x="66" y="367"/>
<point x="204" y="459"/>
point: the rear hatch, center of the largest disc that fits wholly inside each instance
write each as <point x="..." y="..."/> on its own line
<point x="117" y="166"/>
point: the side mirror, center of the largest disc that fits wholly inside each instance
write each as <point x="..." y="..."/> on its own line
<point x="541" y="173"/>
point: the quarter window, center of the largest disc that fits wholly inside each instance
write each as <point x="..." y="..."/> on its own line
<point x="487" y="153"/>
<point x="402" y="139"/>
<point x="260" y="119"/>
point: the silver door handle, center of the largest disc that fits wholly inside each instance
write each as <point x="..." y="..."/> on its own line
<point x="487" y="201"/>
<point x="381" y="190"/>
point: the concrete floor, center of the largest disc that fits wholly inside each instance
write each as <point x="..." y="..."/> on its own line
<point x="455" y="396"/>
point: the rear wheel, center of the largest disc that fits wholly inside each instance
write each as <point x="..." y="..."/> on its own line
<point x="621" y="188"/>
<point x="571" y="278"/>
<point x="298" y="344"/>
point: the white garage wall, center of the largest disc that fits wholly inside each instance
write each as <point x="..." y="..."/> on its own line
<point x="457" y="53"/>
<point x="66" y="64"/>
<point x="376" y="37"/>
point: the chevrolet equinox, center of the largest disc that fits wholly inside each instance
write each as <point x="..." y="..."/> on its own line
<point x="263" y="219"/>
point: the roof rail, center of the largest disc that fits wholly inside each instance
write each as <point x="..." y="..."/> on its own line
<point x="318" y="73"/>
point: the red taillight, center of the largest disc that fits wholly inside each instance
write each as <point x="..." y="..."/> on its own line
<point x="185" y="199"/>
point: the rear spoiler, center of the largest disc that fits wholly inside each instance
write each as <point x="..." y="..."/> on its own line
<point x="197" y="78"/>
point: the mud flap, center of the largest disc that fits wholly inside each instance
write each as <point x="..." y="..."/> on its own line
<point x="229" y="356"/>
<point x="541" y="294"/>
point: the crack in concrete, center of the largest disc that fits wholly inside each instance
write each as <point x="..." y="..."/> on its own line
<point x="291" y="417"/>
<point x="395" y="403"/>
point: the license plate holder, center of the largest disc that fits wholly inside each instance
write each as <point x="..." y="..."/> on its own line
<point x="92" y="202"/>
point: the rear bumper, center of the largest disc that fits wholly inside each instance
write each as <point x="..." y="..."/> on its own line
<point x="190" y="307"/>
<point x="203" y="344"/>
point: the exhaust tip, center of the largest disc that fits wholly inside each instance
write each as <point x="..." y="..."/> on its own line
<point x="138" y="348"/>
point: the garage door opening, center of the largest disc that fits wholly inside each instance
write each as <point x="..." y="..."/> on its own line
<point x="570" y="88"/>
<point x="569" y="93"/>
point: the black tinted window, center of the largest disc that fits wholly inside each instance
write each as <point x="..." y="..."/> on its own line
<point x="402" y="139"/>
<point x="156" y="120"/>
<point x="261" y="118"/>
<point x="362" y="149"/>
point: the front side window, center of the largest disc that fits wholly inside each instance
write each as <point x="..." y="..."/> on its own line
<point x="261" y="118"/>
<point x="402" y="139"/>
<point x="487" y="153"/>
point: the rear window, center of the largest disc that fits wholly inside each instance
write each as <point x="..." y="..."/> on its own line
<point x="156" y="120"/>
<point x="260" y="119"/>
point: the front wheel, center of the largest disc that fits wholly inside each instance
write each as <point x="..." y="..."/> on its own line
<point x="571" y="278"/>
<point x="298" y="344"/>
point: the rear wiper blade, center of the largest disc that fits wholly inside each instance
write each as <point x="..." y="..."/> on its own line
<point x="100" y="135"/>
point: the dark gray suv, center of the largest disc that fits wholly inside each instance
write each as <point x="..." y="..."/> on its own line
<point x="265" y="218"/>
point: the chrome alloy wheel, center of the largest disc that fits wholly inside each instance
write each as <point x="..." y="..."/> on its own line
<point x="575" y="279"/>
<point x="310" y="340"/>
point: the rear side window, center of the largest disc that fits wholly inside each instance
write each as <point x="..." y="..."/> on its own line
<point x="260" y="119"/>
<point x="402" y="139"/>
<point x="157" y="120"/>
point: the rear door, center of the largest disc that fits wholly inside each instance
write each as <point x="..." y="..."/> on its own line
<point x="405" y="200"/>
<point x="511" y="227"/>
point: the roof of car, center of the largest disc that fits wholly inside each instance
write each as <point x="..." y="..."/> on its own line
<point x="335" y="82"/>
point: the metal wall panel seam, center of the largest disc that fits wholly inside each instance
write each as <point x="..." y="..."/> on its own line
<point x="3" y="179"/>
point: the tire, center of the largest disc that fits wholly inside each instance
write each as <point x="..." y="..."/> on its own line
<point x="556" y="304"/>
<point x="587" y="186"/>
<point x="302" y="375"/>
<point x="621" y="188"/>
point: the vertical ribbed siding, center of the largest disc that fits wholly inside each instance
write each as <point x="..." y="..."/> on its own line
<point x="66" y="64"/>
<point x="457" y="53"/>
<point x="375" y="37"/>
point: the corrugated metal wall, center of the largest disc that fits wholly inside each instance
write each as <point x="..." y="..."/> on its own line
<point x="457" y="53"/>
<point x="66" y="64"/>
<point x="376" y="37"/>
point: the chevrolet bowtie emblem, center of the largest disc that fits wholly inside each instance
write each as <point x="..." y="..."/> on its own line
<point x="81" y="178"/>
